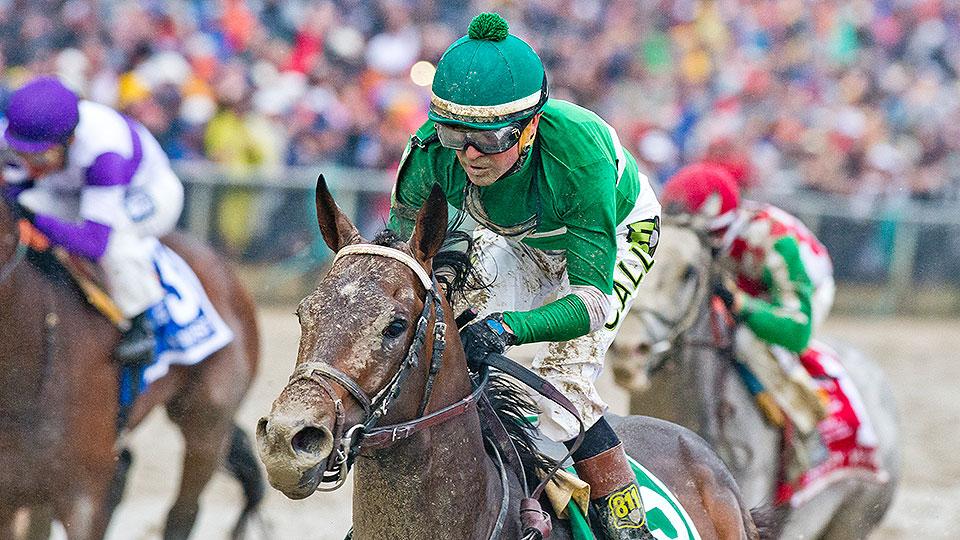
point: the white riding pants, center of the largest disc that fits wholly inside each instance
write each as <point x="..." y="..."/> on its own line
<point x="524" y="278"/>
<point x="150" y="210"/>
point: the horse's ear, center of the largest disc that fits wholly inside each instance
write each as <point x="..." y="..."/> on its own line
<point x="431" y="227"/>
<point x="337" y="229"/>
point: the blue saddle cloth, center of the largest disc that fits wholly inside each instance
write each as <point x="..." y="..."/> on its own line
<point x="187" y="327"/>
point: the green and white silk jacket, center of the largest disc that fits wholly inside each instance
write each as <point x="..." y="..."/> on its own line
<point x="572" y="193"/>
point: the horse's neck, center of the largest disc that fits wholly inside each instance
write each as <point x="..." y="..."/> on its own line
<point x="8" y="257"/>
<point x="26" y="343"/>
<point x="721" y="410"/>
<point x="436" y="485"/>
<point x="706" y="372"/>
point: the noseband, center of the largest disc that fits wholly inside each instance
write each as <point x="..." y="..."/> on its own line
<point x="366" y="435"/>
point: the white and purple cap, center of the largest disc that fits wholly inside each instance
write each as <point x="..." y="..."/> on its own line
<point x="41" y="114"/>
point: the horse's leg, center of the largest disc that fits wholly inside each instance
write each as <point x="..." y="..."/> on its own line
<point x="159" y="392"/>
<point x="119" y="481"/>
<point x="720" y="503"/>
<point x="41" y="521"/>
<point x="203" y="446"/>
<point x="243" y="465"/>
<point x="7" y="518"/>
<point x="204" y="413"/>
<point x="84" y="514"/>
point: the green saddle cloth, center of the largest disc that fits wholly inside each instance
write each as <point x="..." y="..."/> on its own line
<point x="666" y="518"/>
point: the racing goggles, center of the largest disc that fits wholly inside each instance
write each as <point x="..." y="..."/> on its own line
<point x="486" y="141"/>
<point x="42" y="159"/>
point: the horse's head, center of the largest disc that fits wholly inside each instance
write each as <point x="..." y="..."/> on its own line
<point x="666" y="306"/>
<point x="370" y="325"/>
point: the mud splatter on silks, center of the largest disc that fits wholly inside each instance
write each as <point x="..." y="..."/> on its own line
<point x="522" y="278"/>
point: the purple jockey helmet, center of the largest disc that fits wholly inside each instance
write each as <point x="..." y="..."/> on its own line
<point x="41" y="114"/>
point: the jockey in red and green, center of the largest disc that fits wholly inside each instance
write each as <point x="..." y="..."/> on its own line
<point x="567" y="228"/>
<point x="780" y="283"/>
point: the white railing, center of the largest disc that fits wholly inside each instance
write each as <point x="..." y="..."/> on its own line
<point x="904" y="221"/>
<point x="204" y="179"/>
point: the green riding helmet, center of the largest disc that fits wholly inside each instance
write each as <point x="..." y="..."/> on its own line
<point x="487" y="79"/>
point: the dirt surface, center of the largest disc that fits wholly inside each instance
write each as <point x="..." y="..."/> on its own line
<point x="920" y="357"/>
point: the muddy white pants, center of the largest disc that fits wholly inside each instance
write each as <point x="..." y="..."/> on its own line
<point x="147" y="211"/>
<point x="524" y="278"/>
<point x="780" y="371"/>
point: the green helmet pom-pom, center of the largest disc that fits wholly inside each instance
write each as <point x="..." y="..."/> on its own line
<point x="489" y="27"/>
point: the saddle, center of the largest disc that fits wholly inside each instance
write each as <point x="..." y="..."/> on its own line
<point x="76" y="272"/>
<point x="178" y="340"/>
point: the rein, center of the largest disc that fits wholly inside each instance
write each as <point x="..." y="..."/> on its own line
<point x="535" y="523"/>
<point x="18" y="255"/>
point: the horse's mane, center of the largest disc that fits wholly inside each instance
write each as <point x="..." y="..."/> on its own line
<point x="44" y="261"/>
<point x="515" y="409"/>
<point x="453" y="267"/>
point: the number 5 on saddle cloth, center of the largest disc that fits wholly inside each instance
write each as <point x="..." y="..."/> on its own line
<point x="185" y="323"/>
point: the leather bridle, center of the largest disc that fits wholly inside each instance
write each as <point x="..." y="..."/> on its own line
<point x="18" y="255"/>
<point x="348" y="443"/>
<point x="676" y="327"/>
<point x="367" y="435"/>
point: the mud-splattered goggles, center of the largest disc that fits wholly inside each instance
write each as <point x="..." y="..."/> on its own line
<point x="487" y="141"/>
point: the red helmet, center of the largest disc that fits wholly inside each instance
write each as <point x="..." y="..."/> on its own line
<point x="704" y="193"/>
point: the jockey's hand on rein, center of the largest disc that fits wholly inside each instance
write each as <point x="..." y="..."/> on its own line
<point x="488" y="335"/>
<point x="22" y="212"/>
<point x="721" y="291"/>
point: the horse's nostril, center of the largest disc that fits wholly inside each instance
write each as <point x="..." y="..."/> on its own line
<point x="643" y="349"/>
<point x="312" y="440"/>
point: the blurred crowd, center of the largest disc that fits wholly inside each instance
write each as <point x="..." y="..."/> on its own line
<point x="856" y="97"/>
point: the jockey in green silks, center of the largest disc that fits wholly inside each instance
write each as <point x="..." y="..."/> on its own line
<point x="567" y="228"/>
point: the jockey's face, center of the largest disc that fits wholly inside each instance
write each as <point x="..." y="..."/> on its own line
<point x="46" y="162"/>
<point x="485" y="169"/>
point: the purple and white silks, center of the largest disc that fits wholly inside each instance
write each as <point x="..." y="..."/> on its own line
<point x="110" y="173"/>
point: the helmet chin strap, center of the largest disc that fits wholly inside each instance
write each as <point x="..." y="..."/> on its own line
<point x="526" y="144"/>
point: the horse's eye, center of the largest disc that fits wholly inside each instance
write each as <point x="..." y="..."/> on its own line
<point x="395" y="328"/>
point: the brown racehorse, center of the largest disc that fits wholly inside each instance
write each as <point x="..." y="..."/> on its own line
<point x="59" y="397"/>
<point x="426" y="475"/>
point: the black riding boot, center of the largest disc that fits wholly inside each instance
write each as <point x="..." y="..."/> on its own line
<point x="601" y="462"/>
<point x="137" y="344"/>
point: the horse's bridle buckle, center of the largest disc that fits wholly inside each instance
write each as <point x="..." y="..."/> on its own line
<point x="399" y="432"/>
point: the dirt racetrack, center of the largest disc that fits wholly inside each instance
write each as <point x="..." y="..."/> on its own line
<point x="920" y="357"/>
